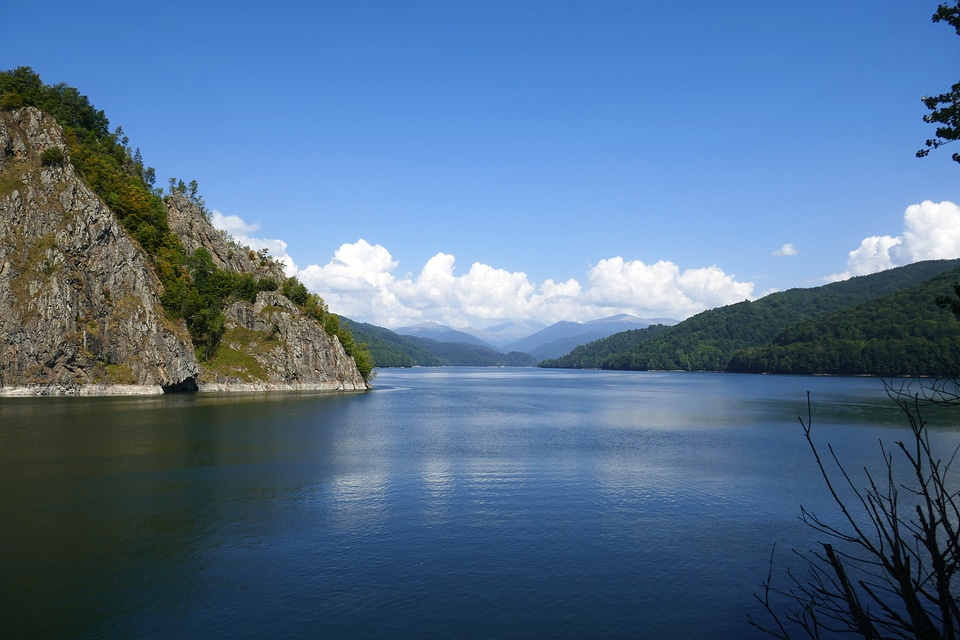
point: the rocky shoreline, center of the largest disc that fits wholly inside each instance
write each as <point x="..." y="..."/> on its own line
<point x="95" y="390"/>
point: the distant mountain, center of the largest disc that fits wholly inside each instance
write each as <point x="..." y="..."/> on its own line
<point x="881" y="324"/>
<point x="390" y="349"/>
<point x="440" y="333"/>
<point x="506" y="332"/>
<point x="562" y="337"/>
<point x="459" y="354"/>
<point x="415" y="345"/>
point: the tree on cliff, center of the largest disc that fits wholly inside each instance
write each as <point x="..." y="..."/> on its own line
<point x="944" y="108"/>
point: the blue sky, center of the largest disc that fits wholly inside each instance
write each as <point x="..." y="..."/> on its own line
<point x="470" y="162"/>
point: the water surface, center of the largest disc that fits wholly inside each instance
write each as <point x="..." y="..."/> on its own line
<point x="473" y="503"/>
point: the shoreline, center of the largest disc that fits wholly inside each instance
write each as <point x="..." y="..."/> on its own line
<point x="104" y="390"/>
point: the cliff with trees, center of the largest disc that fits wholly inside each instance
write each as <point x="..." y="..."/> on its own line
<point x="112" y="285"/>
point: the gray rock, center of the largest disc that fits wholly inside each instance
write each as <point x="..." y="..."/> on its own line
<point x="192" y="226"/>
<point x="80" y="310"/>
<point x="81" y="305"/>
<point x="280" y="346"/>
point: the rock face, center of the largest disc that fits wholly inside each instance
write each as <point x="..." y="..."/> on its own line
<point x="80" y="309"/>
<point x="190" y="223"/>
<point x="80" y="306"/>
<point x="270" y="344"/>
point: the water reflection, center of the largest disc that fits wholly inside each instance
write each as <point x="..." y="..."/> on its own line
<point x="438" y="482"/>
<point x="358" y="501"/>
<point x="492" y="503"/>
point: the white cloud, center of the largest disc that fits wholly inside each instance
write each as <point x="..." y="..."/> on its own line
<point x="359" y="282"/>
<point x="931" y="232"/>
<point x="660" y="289"/>
<point x="234" y="225"/>
<point x="241" y="232"/>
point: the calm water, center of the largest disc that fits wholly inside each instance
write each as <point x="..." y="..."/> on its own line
<point x="475" y="503"/>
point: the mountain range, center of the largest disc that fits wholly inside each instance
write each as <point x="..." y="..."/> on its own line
<point x="541" y="343"/>
<point x="886" y="323"/>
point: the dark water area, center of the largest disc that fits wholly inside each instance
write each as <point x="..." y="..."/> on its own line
<point x="445" y="503"/>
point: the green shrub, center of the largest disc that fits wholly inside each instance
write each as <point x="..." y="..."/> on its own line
<point x="10" y="101"/>
<point x="52" y="156"/>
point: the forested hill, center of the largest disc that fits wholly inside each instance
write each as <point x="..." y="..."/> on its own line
<point x="390" y="349"/>
<point x="904" y="333"/>
<point x="900" y="304"/>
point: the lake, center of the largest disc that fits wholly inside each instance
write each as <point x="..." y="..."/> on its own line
<point x="445" y="503"/>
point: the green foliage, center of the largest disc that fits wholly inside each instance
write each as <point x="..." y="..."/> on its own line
<point x="267" y="284"/>
<point x="201" y="303"/>
<point x="944" y="108"/>
<point x="830" y="329"/>
<point x="390" y="349"/>
<point x="52" y="157"/>
<point x="364" y="360"/>
<point x="23" y="87"/>
<point x="896" y="335"/>
<point x="602" y="353"/>
<point x="295" y="291"/>
<point x="10" y="100"/>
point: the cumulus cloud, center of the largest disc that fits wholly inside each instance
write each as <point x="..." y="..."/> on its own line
<point x="242" y="233"/>
<point x="620" y="286"/>
<point x="786" y="250"/>
<point x="360" y="282"/>
<point x="234" y="225"/>
<point x="931" y="231"/>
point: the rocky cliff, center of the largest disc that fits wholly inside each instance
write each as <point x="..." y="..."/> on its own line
<point x="80" y="305"/>
<point x="80" y="309"/>
<point x="189" y="221"/>
<point x="269" y="344"/>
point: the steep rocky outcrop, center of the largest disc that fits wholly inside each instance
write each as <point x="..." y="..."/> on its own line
<point x="80" y="306"/>
<point x="80" y="309"/>
<point x="271" y="344"/>
<point x="189" y="221"/>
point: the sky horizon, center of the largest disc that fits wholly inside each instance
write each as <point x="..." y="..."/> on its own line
<point x="469" y="163"/>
